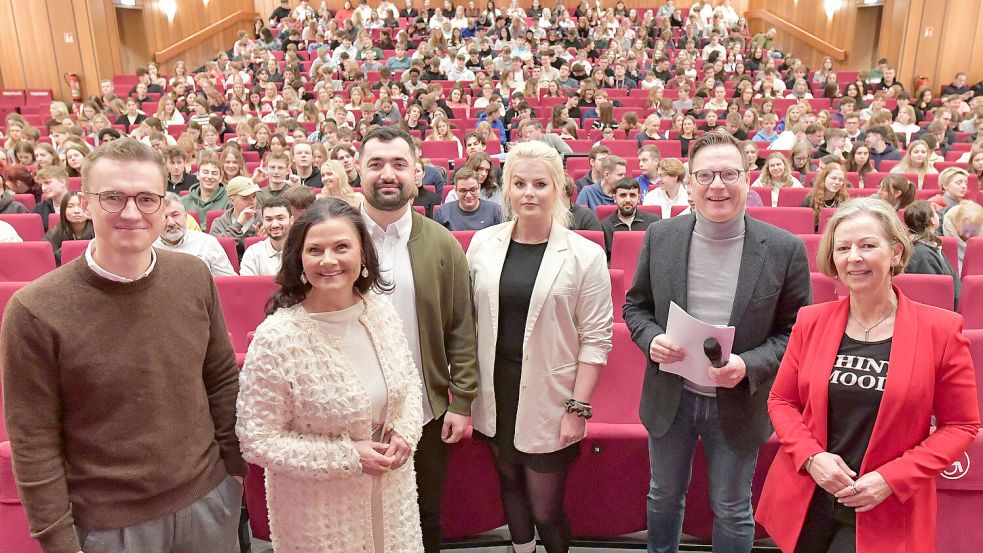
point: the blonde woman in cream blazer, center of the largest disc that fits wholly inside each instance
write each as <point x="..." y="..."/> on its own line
<point x="542" y="298"/>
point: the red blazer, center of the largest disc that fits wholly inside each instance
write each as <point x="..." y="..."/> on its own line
<point x="930" y="373"/>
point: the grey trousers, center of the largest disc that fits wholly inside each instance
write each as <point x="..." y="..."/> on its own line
<point x="208" y="524"/>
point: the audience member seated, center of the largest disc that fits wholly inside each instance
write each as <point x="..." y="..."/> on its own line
<point x="54" y="185"/>
<point x="177" y="237"/>
<point x="74" y="223"/>
<point x="963" y="222"/>
<point x="425" y="198"/>
<point x="897" y="191"/>
<point x="334" y="182"/>
<point x="649" y="157"/>
<point x="209" y="194"/>
<point x="878" y="139"/>
<point x="671" y="191"/>
<point x="828" y="190"/>
<point x="613" y="169"/>
<point x="265" y="257"/>
<point x="179" y="179"/>
<point x="594" y="158"/>
<point x="468" y="212"/>
<point x="926" y="253"/>
<point x="581" y="218"/>
<point x="627" y="216"/>
<point x="239" y="221"/>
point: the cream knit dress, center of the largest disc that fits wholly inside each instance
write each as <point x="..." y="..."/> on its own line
<point x="301" y="408"/>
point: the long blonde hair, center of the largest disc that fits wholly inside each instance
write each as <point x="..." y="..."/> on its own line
<point x="345" y="191"/>
<point x="537" y="151"/>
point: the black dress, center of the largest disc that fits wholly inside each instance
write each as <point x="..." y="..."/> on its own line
<point x="522" y="262"/>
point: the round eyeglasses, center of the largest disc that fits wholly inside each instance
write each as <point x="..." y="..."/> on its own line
<point x="115" y="202"/>
<point x="705" y="177"/>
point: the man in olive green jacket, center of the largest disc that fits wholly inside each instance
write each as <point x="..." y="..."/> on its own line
<point x="432" y="294"/>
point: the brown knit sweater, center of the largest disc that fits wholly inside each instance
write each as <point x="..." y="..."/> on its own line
<point x="119" y="397"/>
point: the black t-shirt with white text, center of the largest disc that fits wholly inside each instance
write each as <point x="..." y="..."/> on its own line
<point x="856" y="385"/>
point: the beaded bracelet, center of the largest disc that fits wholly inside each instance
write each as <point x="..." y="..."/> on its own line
<point x="580" y="408"/>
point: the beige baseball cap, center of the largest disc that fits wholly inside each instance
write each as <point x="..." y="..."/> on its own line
<point x="241" y="186"/>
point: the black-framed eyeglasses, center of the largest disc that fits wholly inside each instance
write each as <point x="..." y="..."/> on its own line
<point x="115" y="202"/>
<point x="468" y="191"/>
<point x="728" y="175"/>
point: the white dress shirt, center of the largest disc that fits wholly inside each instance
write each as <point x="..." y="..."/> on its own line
<point x="261" y="259"/>
<point x="91" y="248"/>
<point x="205" y="247"/>
<point x="392" y="248"/>
<point x="657" y="196"/>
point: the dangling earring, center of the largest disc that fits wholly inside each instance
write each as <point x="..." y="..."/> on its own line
<point x="365" y="272"/>
<point x="303" y="278"/>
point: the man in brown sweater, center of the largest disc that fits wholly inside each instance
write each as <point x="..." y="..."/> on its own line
<point x="120" y="383"/>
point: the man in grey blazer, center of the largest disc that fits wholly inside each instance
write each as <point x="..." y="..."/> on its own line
<point x="722" y="267"/>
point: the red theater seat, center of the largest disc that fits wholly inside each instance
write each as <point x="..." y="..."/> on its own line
<point x="973" y="258"/>
<point x="27" y="225"/>
<point x="26" y="200"/>
<point x="625" y="247"/>
<point x="231" y="251"/>
<point x="471" y="474"/>
<point x="971" y="305"/>
<point x="25" y="261"/>
<point x="812" y="248"/>
<point x="72" y="249"/>
<point x="595" y="236"/>
<point x="243" y="304"/>
<point x="937" y="290"/>
<point x="617" y="293"/>
<point x="823" y="288"/>
<point x="797" y="220"/>
<point x="792" y="197"/>
<point x="463" y="237"/>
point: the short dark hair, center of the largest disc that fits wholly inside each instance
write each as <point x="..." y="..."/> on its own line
<point x="294" y="289"/>
<point x="276" y="201"/>
<point x="627" y="183"/>
<point x="108" y="132"/>
<point x="173" y="152"/>
<point x="389" y="134"/>
<point x="464" y="173"/>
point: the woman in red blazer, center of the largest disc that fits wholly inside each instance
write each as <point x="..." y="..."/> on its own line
<point x="854" y="398"/>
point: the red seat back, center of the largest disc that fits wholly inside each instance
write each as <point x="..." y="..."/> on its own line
<point x="231" y="250"/>
<point x="792" y="197"/>
<point x="27" y="225"/>
<point x="937" y="290"/>
<point x="823" y="288"/>
<point x="625" y="247"/>
<point x="72" y="249"/>
<point x="971" y="304"/>
<point x="617" y="395"/>
<point x="617" y="293"/>
<point x="463" y="237"/>
<point x="797" y="220"/>
<point x="973" y="258"/>
<point x="244" y="304"/>
<point x="25" y="261"/>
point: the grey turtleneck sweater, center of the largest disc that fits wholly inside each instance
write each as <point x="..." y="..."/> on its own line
<point x="711" y="279"/>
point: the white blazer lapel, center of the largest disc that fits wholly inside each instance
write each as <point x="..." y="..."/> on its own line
<point x="550" y="268"/>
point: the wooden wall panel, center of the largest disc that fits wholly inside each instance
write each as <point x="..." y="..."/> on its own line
<point x="35" y="43"/>
<point x="11" y="65"/>
<point x="810" y="17"/>
<point x="959" y="29"/>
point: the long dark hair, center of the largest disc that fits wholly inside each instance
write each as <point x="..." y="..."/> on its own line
<point x="918" y="219"/>
<point x="293" y="290"/>
<point x="64" y="229"/>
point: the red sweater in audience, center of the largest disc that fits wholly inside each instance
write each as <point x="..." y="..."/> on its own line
<point x="119" y="397"/>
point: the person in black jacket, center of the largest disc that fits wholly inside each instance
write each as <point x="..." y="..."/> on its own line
<point x="74" y="223"/>
<point x="926" y="257"/>
<point x="582" y="218"/>
<point x="54" y="187"/>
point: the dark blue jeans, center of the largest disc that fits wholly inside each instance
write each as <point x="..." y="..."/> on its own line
<point x="729" y="474"/>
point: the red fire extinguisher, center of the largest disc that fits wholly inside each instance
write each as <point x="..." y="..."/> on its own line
<point x="75" y="85"/>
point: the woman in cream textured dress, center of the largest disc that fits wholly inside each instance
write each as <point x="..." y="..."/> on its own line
<point x="330" y="400"/>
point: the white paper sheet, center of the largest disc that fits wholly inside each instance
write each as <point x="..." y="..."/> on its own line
<point x="688" y="333"/>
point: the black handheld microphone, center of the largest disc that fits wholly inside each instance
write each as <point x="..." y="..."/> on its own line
<point x="711" y="348"/>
